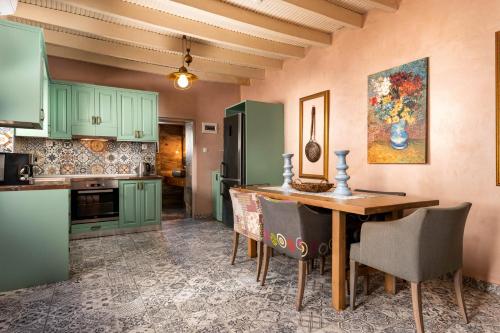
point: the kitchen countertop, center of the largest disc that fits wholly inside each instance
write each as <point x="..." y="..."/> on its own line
<point x="58" y="182"/>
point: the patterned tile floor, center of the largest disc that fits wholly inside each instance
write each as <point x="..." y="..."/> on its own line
<point x="179" y="280"/>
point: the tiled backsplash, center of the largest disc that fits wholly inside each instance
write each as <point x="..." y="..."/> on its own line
<point x="6" y="139"/>
<point x="54" y="157"/>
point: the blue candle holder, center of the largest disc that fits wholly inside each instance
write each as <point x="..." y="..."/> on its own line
<point x="342" y="177"/>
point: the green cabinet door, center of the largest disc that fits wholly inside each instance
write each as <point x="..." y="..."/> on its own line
<point x="127" y="116"/>
<point x="130" y="204"/>
<point x="60" y="111"/>
<point x="147" y="121"/>
<point x="82" y="111"/>
<point x="105" y="112"/>
<point x="151" y="204"/>
<point x="21" y="74"/>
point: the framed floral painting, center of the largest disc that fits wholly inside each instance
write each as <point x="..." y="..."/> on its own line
<point x="397" y="114"/>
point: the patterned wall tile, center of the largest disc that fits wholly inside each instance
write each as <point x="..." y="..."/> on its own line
<point x="65" y="157"/>
<point x="6" y="139"/>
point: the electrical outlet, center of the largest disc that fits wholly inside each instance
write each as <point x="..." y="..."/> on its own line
<point x="205" y="149"/>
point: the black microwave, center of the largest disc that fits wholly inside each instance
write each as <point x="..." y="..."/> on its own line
<point x="15" y="169"/>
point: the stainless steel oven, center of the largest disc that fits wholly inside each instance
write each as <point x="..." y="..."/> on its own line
<point x="94" y="200"/>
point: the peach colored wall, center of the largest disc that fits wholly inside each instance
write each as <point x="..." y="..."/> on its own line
<point x="205" y="102"/>
<point x="459" y="38"/>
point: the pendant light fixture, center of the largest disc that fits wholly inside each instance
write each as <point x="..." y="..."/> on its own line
<point x="183" y="80"/>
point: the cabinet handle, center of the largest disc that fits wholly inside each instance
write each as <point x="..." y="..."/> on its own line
<point x="138" y="186"/>
<point x="95" y="227"/>
<point x="42" y="115"/>
<point x="141" y="134"/>
<point x="99" y="120"/>
<point x="93" y="120"/>
<point x="142" y="186"/>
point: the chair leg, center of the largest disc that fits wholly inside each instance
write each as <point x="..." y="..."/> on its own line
<point x="266" y="264"/>
<point x="309" y="266"/>
<point x="322" y="265"/>
<point x="366" y="284"/>
<point x="302" y="283"/>
<point x="353" y="278"/>
<point x="416" y="299"/>
<point x="236" y="238"/>
<point x="259" y="258"/>
<point x="460" y="294"/>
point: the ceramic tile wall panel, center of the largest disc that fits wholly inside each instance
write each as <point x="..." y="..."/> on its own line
<point x="67" y="157"/>
<point x="6" y="139"/>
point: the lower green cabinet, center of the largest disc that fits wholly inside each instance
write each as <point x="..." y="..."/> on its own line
<point x="216" y="197"/>
<point x="140" y="202"/>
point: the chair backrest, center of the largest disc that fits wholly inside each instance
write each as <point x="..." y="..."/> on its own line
<point x="247" y="214"/>
<point x="294" y="229"/>
<point x="402" y="194"/>
<point x="441" y="240"/>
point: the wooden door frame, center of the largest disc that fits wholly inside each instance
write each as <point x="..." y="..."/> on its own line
<point x="182" y="121"/>
<point x="497" y="80"/>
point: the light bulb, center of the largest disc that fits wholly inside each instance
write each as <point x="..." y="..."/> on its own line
<point x="183" y="81"/>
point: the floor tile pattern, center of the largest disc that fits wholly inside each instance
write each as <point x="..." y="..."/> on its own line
<point x="179" y="280"/>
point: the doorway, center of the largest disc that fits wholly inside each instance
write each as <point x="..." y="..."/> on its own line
<point x="174" y="161"/>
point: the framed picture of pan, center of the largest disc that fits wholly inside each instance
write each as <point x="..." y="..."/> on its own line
<point x="313" y="135"/>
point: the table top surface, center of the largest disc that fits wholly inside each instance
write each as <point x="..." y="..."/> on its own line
<point x="379" y="203"/>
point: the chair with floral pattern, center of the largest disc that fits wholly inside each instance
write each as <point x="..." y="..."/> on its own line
<point x="247" y="222"/>
<point x="297" y="231"/>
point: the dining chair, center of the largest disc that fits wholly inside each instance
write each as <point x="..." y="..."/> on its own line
<point x="422" y="246"/>
<point x="353" y="232"/>
<point x="297" y="231"/>
<point x="247" y="222"/>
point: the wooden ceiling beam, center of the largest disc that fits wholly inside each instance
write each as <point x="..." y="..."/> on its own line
<point x="339" y="14"/>
<point x="140" y="37"/>
<point x="387" y="5"/>
<point x="188" y="27"/>
<point x="75" y="54"/>
<point x="292" y="31"/>
<point x="146" y="56"/>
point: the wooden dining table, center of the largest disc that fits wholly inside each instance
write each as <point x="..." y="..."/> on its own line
<point x="392" y="205"/>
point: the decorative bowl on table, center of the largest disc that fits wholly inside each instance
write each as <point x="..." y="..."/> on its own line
<point x="322" y="186"/>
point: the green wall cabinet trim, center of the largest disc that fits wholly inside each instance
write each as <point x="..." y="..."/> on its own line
<point x="264" y="140"/>
<point x="83" y="111"/>
<point x="216" y="197"/>
<point x="140" y="202"/>
<point x="23" y="76"/>
<point x="34" y="242"/>
<point x="60" y="111"/>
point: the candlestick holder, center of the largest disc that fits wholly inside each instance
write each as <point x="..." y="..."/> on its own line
<point x="287" y="174"/>
<point x="342" y="177"/>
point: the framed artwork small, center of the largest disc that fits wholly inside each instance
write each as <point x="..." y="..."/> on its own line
<point x="209" y="128"/>
<point x="313" y="135"/>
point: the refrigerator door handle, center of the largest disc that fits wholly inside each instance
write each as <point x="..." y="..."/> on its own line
<point x="221" y="188"/>
<point x="222" y="169"/>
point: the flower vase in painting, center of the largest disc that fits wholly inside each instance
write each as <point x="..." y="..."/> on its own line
<point x="397" y="114"/>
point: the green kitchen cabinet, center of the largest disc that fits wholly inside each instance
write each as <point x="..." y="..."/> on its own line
<point x="127" y="115"/>
<point x="216" y="196"/>
<point x="151" y="205"/>
<point x="140" y="202"/>
<point x="264" y="140"/>
<point x="137" y="116"/>
<point x="106" y="117"/>
<point x="60" y="111"/>
<point x="83" y="111"/>
<point x="23" y="75"/>
<point x="130" y="203"/>
<point x="34" y="239"/>
<point x="44" y="131"/>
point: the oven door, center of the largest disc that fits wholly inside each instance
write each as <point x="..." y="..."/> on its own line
<point x="94" y="205"/>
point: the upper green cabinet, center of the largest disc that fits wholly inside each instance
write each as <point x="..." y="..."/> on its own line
<point x="137" y="116"/>
<point x="94" y="111"/>
<point x="60" y="111"/>
<point x="23" y="75"/>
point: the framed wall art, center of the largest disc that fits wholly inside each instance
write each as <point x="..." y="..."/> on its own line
<point x="313" y="135"/>
<point x="497" y="78"/>
<point x="397" y="114"/>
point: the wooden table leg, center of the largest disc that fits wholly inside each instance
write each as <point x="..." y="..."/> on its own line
<point x="338" y="260"/>
<point x="252" y="248"/>
<point x="390" y="280"/>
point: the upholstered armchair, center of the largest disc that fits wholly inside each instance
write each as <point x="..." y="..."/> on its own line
<point x="297" y="231"/>
<point x="422" y="246"/>
<point x="247" y="222"/>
